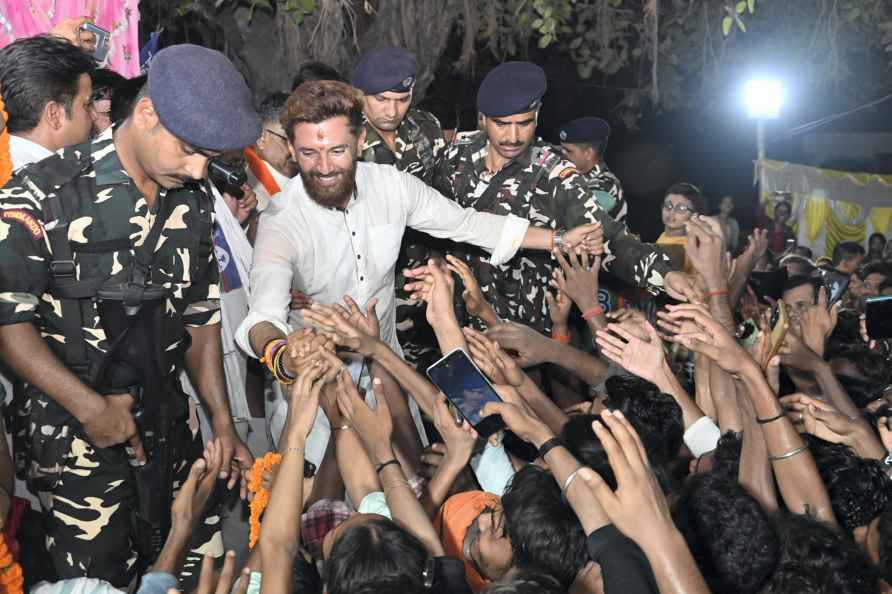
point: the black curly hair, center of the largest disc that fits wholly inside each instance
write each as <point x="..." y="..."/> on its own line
<point x="730" y="536"/>
<point x="819" y="559"/>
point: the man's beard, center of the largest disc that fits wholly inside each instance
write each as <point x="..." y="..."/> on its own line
<point x="330" y="196"/>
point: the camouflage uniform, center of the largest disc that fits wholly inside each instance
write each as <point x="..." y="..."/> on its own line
<point x="88" y="493"/>
<point x="607" y="189"/>
<point x="543" y="187"/>
<point x="419" y="146"/>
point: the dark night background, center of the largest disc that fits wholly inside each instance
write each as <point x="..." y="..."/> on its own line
<point x="710" y="143"/>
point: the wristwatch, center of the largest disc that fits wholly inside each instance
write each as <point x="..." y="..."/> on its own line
<point x="558" y="238"/>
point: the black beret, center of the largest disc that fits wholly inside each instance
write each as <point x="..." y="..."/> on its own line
<point x="511" y="88"/>
<point x="385" y="69"/>
<point x="202" y="99"/>
<point x="585" y="131"/>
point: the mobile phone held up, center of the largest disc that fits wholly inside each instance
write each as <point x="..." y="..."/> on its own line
<point x="465" y="386"/>
<point x="878" y="312"/>
<point x="101" y="36"/>
<point x="780" y="324"/>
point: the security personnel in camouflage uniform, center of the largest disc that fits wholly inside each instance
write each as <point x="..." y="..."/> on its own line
<point x="584" y="141"/>
<point x="504" y="168"/>
<point x="114" y="213"/>
<point x="412" y="141"/>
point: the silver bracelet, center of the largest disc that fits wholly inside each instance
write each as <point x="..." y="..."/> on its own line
<point x="789" y="454"/>
<point x="570" y="480"/>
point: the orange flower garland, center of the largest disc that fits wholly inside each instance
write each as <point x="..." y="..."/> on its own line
<point x="261" y="495"/>
<point x="5" y="156"/>
<point x="11" y="576"/>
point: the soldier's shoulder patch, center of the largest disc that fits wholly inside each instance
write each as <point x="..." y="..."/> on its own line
<point x="566" y="172"/>
<point x="24" y="218"/>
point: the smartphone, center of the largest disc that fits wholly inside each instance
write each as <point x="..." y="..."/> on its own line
<point x="879" y="316"/>
<point x="780" y="324"/>
<point x="769" y="285"/>
<point x="467" y="389"/>
<point x="102" y="37"/>
<point x="836" y="284"/>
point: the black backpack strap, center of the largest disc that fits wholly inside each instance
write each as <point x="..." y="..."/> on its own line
<point x="141" y="268"/>
<point x="45" y="179"/>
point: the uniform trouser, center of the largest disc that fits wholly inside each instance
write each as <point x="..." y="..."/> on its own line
<point x="89" y="516"/>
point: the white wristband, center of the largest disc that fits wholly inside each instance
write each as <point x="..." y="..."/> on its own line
<point x="702" y="436"/>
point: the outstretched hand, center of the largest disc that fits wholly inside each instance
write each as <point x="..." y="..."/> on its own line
<point x="709" y="339"/>
<point x="434" y="285"/>
<point x="638" y="507"/>
<point x="643" y="358"/>
<point x="498" y="365"/>
<point x="349" y="328"/>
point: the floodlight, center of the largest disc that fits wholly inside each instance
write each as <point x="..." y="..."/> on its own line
<point x="763" y="99"/>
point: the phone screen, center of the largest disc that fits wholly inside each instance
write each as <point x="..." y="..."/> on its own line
<point x="463" y="384"/>
<point x="879" y="317"/>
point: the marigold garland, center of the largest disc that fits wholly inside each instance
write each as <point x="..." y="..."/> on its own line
<point x="5" y="155"/>
<point x="11" y="576"/>
<point x="261" y="495"/>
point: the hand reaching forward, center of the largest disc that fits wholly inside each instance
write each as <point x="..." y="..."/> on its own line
<point x="349" y="330"/>
<point x="192" y="498"/>
<point x="711" y="339"/>
<point x="644" y="358"/>
<point x="459" y="437"/>
<point x="373" y="426"/>
<point x="531" y="347"/>
<point x="498" y="365"/>
<point x="819" y="418"/>
<point x="576" y="278"/>
<point x="433" y="284"/>
<point x="475" y="302"/>
<point x="638" y="507"/>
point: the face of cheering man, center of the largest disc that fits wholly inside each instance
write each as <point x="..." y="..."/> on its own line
<point x="510" y="136"/>
<point x="386" y="111"/>
<point x="326" y="154"/>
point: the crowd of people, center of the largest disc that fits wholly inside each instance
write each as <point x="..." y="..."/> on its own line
<point x="218" y="310"/>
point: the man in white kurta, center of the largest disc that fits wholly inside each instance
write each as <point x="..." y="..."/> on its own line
<point x="336" y="229"/>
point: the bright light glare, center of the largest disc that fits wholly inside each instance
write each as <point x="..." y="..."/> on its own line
<point x="763" y="99"/>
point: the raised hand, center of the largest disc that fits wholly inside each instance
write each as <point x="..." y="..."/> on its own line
<point x="304" y="403"/>
<point x="434" y="285"/>
<point x="192" y="498"/>
<point x="795" y="354"/>
<point x="817" y="322"/>
<point x="638" y="507"/>
<point x="576" y="279"/>
<point x="680" y="286"/>
<point x="588" y="237"/>
<point x="475" y="302"/>
<point x="497" y="361"/>
<point x="373" y="426"/>
<point x="344" y="329"/>
<point x="709" y="339"/>
<point x="706" y="251"/>
<point x="457" y="433"/>
<point x="531" y="347"/>
<point x="644" y="358"/>
<point x="559" y="306"/>
<point x="819" y="418"/>
<point x="632" y="320"/>
<point x="300" y="300"/>
<point x="366" y="322"/>
<point x="519" y="417"/>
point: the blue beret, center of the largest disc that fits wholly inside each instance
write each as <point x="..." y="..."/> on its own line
<point x="585" y="131"/>
<point x="511" y="88"/>
<point x="202" y="99"/>
<point x="385" y="69"/>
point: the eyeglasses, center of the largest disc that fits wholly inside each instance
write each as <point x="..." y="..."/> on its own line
<point x="679" y="208"/>
<point x="276" y="134"/>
